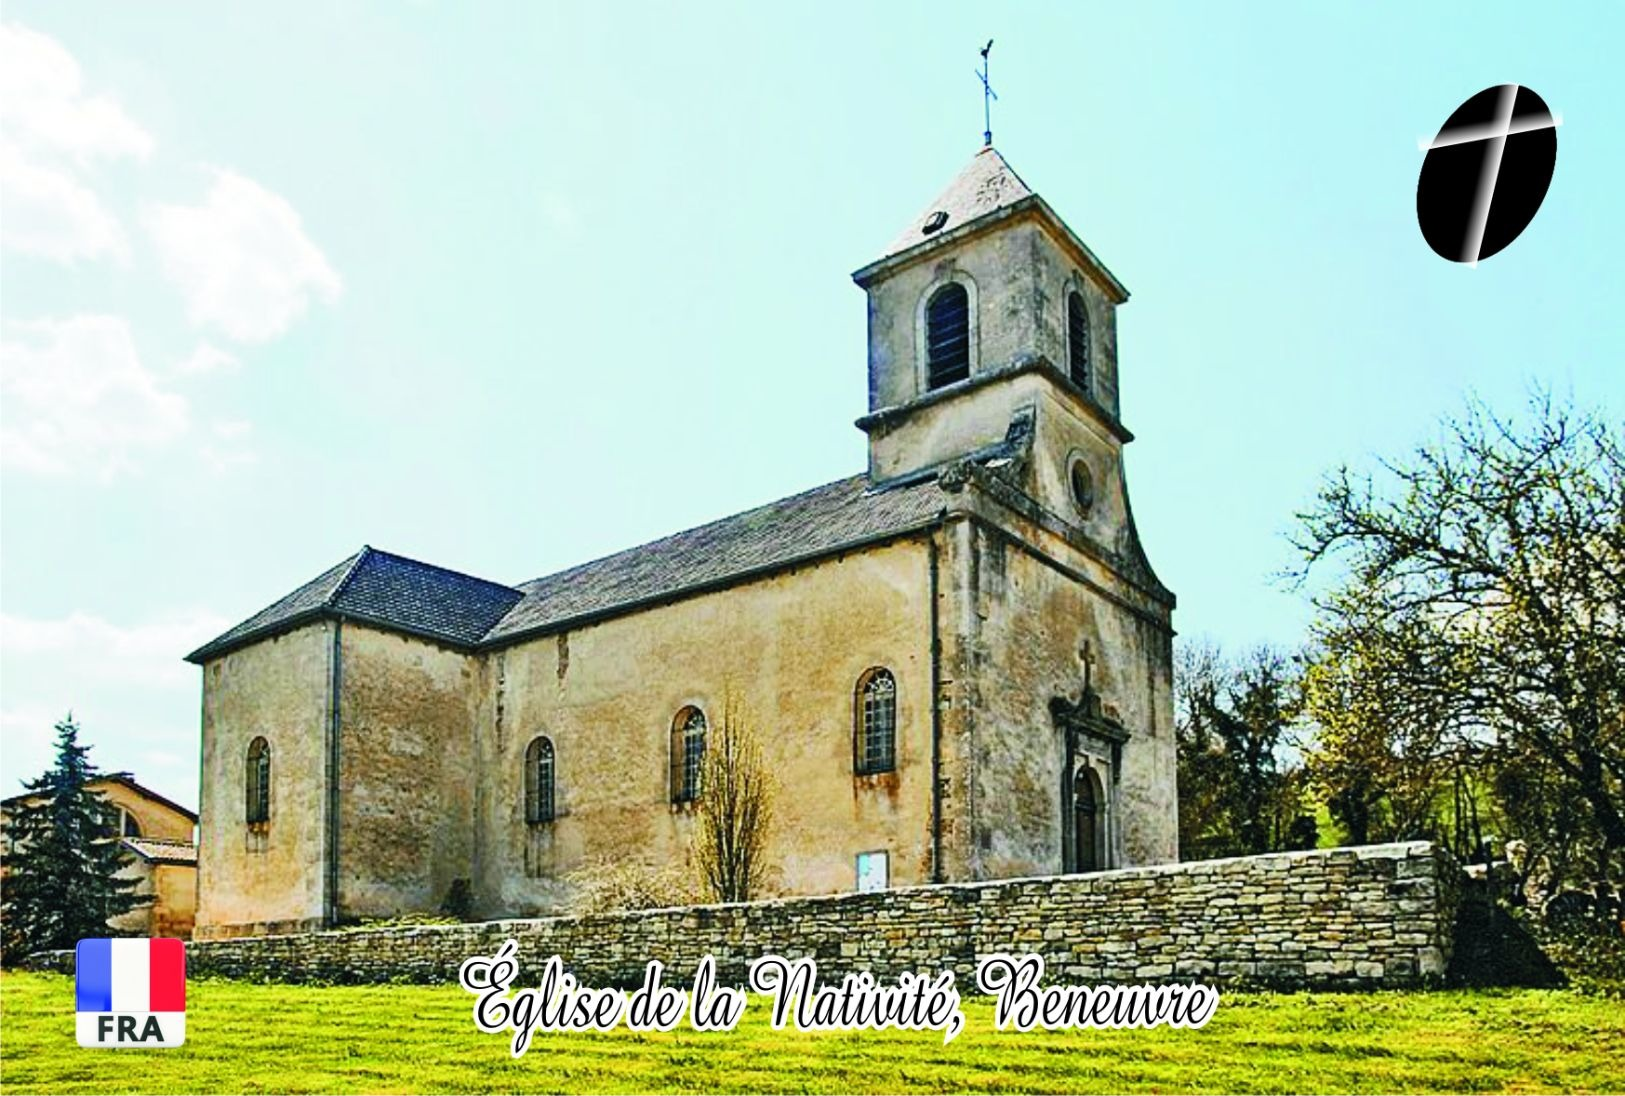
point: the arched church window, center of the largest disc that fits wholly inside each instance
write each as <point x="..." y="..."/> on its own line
<point x="1077" y="339"/>
<point x="687" y="755"/>
<point x="258" y="783"/>
<point x="539" y="780"/>
<point x="947" y="336"/>
<point x="128" y="826"/>
<point x="875" y="745"/>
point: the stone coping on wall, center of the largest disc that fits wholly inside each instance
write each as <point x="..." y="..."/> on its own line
<point x="1362" y="917"/>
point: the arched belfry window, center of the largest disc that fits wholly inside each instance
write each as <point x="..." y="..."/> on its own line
<point x="258" y="783"/>
<point x="687" y="755"/>
<point x="1077" y="339"/>
<point x="539" y="780"/>
<point x="947" y="336"/>
<point x="874" y="746"/>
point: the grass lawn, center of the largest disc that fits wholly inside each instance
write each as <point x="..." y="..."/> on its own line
<point x="260" y="1038"/>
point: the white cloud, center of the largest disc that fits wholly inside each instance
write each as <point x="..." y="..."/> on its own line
<point x="206" y="358"/>
<point x="134" y="697"/>
<point x="241" y="259"/>
<point x="48" y="212"/>
<point x="50" y="133"/>
<point x="43" y="104"/>
<point x="147" y="654"/>
<point x="77" y="398"/>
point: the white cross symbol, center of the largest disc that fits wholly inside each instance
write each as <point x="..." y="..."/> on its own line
<point x="1496" y="133"/>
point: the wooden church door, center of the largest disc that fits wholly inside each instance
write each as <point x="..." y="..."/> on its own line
<point x="1085" y="821"/>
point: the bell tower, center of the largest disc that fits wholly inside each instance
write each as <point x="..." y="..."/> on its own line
<point x="991" y="324"/>
<point x="993" y="371"/>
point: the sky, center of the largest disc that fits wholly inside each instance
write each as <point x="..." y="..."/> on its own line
<point x="509" y="286"/>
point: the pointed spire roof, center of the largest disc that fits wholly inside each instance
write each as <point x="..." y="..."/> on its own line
<point x="988" y="187"/>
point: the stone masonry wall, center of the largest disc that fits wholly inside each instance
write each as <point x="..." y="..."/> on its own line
<point x="1380" y="915"/>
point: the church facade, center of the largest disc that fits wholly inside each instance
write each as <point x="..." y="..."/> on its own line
<point x="958" y="662"/>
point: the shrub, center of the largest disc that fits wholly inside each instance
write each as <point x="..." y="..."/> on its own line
<point x="612" y="885"/>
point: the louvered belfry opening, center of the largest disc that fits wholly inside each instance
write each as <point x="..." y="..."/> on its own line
<point x="1077" y="339"/>
<point x="947" y="336"/>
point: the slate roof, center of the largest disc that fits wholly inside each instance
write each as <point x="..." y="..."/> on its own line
<point x="391" y="591"/>
<point x="162" y="852"/>
<point x="804" y="526"/>
<point x="421" y="597"/>
<point x="384" y="589"/>
<point x="987" y="185"/>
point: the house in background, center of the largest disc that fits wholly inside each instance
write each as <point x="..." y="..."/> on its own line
<point x="161" y="837"/>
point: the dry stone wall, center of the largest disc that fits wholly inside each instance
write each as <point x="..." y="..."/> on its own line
<point x="1380" y="915"/>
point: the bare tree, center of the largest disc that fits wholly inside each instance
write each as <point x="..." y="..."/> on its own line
<point x="735" y="809"/>
<point x="1485" y="593"/>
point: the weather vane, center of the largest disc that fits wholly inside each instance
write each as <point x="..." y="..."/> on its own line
<point x="988" y="95"/>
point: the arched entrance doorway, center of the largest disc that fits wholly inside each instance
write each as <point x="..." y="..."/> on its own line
<point x="1091" y="747"/>
<point x="1088" y="804"/>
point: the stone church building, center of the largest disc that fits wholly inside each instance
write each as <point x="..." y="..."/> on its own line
<point x="958" y="661"/>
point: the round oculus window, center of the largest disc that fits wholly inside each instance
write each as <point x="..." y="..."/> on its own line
<point x="1083" y="487"/>
<point x="934" y="222"/>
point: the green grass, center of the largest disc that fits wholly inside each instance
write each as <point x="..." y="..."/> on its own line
<point x="261" y="1038"/>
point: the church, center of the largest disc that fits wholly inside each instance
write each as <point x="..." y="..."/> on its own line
<point x="957" y="662"/>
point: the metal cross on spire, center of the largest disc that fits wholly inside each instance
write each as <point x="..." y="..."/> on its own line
<point x="988" y="95"/>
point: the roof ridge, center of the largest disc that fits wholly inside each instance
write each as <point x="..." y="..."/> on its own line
<point x="369" y="552"/>
<point x="332" y="599"/>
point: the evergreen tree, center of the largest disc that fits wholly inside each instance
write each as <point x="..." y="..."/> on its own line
<point x="63" y="858"/>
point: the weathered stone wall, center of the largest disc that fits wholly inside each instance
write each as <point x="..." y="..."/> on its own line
<point x="277" y="688"/>
<point x="406" y="773"/>
<point x="789" y="650"/>
<point x="1380" y="915"/>
<point x="1019" y="650"/>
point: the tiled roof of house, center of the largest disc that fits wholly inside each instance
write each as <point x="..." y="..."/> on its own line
<point x="116" y="778"/>
<point x="393" y="592"/>
<point x="162" y="852"/>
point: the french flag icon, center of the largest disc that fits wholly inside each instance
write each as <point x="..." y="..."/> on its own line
<point x="130" y="992"/>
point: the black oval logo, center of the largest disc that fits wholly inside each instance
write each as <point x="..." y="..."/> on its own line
<point x="1486" y="173"/>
